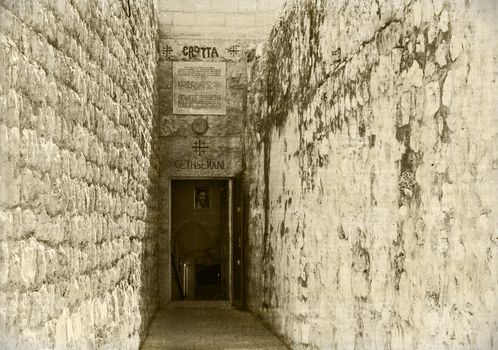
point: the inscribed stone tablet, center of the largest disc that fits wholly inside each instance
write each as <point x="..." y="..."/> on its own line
<point x="199" y="88"/>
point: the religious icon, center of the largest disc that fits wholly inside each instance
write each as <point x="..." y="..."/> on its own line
<point x="202" y="197"/>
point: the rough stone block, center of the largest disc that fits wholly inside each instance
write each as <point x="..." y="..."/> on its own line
<point x="241" y="20"/>
<point x="184" y="18"/>
<point x="210" y="19"/>
<point x="247" y="6"/>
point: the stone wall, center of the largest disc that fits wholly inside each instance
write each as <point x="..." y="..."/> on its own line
<point x="218" y="19"/>
<point x="372" y="167"/>
<point x="203" y="32"/>
<point x="77" y="173"/>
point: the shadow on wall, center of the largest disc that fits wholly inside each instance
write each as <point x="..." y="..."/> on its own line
<point x="148" y="302"/>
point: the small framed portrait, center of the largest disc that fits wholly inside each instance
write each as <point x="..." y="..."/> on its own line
<point x="202" y="197"/>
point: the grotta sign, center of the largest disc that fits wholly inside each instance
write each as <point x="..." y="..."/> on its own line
<point x="199" y="88"/>
<point x="201" y="51"/>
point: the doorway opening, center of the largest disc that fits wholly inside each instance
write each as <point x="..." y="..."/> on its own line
<point x="200" y="240"/>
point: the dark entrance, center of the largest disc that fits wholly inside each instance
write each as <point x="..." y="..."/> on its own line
<point x="199" y="240"/>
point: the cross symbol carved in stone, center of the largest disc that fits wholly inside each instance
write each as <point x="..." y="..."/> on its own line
<point x="234" y="50"/>
<point x="199" y="147"/>
<point x="167" y="51"/>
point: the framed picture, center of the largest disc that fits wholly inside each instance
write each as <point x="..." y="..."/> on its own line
<point x="202" y="197"/>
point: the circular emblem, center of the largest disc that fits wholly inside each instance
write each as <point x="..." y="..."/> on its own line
<point x="200" y="126"/>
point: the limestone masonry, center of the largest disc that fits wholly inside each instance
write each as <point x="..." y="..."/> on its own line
<point x="350" y="147"/>
<point x="372" y="157"/>
<point x="77" y="173"/>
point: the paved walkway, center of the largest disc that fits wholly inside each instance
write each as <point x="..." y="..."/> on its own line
<point x="208" y="325"/>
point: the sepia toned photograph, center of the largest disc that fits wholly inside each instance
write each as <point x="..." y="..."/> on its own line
<point x="248" y="174"/>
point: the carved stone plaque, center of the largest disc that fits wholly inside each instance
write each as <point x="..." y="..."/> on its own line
<point x="199" y="88"/>
<point x="200" y="126"/>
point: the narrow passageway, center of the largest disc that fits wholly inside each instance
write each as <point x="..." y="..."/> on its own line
<point x="331" y="165"/>
<point x="208" y="325"/>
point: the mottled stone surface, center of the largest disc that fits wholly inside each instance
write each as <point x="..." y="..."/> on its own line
<point x="77" y="170"/>
<point x="218" y="126"/>
<point x="372" y="161"/>
<point x="183" y="158"/>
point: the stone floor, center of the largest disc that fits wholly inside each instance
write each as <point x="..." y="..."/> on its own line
<point x="208" y="325"/>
